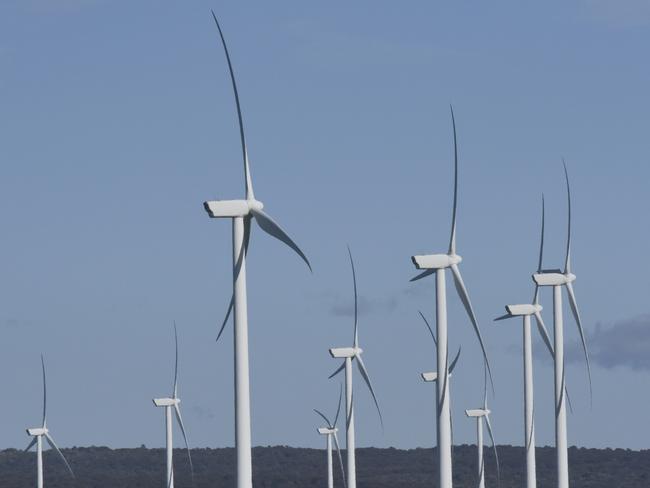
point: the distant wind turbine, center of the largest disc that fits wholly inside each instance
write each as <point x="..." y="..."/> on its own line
<point x="330" y="430"/>
<point x="526" y="311"/>
<point x="437" y="264"/>
<point x="242" y="212"/>
<point x="38" y="433"/>
<point x="557" y="279"/>
<point x="432" y="377"/>
<point x="350" y="354"/>
<point x="481" y="414"/>
<point x="170" y="404"/>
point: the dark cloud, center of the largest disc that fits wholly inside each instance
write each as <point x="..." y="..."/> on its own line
<point x="625" y="343"/>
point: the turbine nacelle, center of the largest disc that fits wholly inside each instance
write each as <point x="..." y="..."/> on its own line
<point x="436" y="261"/>
<point x="345" y="352"/>
<point x="231" y="208"/>
<point x="38" y="431"/>
<point x="478" y="412"/>
<point x="523" y="310"/>
<point x="553" y="279"/>
<point x="166" y="402"/>
<point x="327" y="431"/>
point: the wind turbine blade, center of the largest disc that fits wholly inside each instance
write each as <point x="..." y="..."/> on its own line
<point x="175" y="362"/>
<point x="53" y="445"/>
<point x="453" y="363"/>
<point x="240" y="259"/>
<point x="356" y="301"/>
<point x="541" y="253"/>
<point x="544" y="333"/>
<point x="426" y="322"/>
<point x="348" y="414"/>
<point x="31" y="444"/>
<point x="327" y="421"/>
<point x="247" y="172"/>
<point x="494" y="448"/>
<point x="225" y="320"/>
<point x="541" y="240"/>
<point x="338" y="370"/>
<point x="464" y="297"/>
<point x="44" y="392"/>
<point x="269" y="226"/>
<point x="484" y="387"/>
<point x="338" y="453"/>
<point x="567" y="262"/>
<point x="452" y="240"/>
<point x="576" y="315"/>
<point x="177" y="411"/>
<point x="504" y="317"/>
<point x="338" y="409"/>
<point x="366" y="378"/>
<point x="424" y="274"/>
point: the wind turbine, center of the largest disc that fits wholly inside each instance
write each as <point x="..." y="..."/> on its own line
<point x="242" y="212"/>
<point x="526" y="311"/>
<point x="432" y="377"/>
<point x="169" y="404"/>
<point x="557" y="279"/>
<point x="38" y="433"/>
<point x="481" y="414"/>
<point x="350" y="354"/>
<point x="330" y="431"/>
<point x="437" y="264"/>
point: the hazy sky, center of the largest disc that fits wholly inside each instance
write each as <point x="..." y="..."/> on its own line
<point x="118" y="121"/>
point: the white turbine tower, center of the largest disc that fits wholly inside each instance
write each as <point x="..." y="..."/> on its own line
<point x="169" y="404"/>
<point x="330" y="431"/>
<point x="526" y="311"/>
<point x="350" y="354"/>
<point x="437" y="264"/>
<point x="38" y="433"/>
<point x="481" y="414"/>
<point x="557" y="279"/>
<point x="241" y="212"/>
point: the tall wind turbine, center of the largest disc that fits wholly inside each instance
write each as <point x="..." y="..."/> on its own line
<point x="557" y="279"/>
<point x="526" y="311"/>
<point x="38" y="433"/>
<point x="330" y="431"/>
<point x="169" y="404"/>
<point x="242" y="212"/>
<point x="481" y="414"/>
<point x="437" y="264"/>
<point x="350" y="354"/>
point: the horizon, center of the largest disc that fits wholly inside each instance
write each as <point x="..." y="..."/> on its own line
<point x="120" y="122"/>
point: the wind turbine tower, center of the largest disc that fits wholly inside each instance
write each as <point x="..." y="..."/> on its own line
<point x="241" y="212"/>
<point x="38" y="433"/>
<point x="437" y="264"/>
<point x="557" y="279"/>
<point x="349" y="354"/>
<point x="330" y="431"/>
<point x="173" y="404"/>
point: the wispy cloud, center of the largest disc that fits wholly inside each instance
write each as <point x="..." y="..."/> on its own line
<point x="202" y="413"/>
<point x="14" y="323"/>
<point x="345" y="307"/>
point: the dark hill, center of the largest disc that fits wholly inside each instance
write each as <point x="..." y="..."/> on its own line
<point x="286" y="467"/>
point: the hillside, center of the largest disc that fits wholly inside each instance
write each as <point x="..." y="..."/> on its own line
<point x="280" y="467"/>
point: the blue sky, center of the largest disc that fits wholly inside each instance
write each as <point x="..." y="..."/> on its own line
<point x="118" y="122"/>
